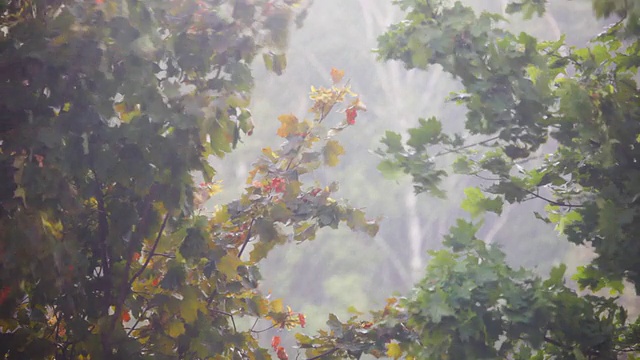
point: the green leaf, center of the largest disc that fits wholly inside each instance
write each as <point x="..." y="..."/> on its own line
<point x="428" y="133"/>
<point x="476" y="203"/>
<point x="389" y="169"/>
<point x="461" y="236"/>
<point x="393" y="141"/>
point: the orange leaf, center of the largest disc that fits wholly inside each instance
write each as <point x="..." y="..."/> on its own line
<point x="302" y="319"/>
<point x="136" y="256"/>
<point x="275" y="342"/>
<point x="155" y="282"/>
<point x="125" y="316"/>
<point x="336" y="75"/>
<point x="289" y="125"/>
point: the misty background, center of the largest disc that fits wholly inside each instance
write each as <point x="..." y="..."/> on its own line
<point x="340" y="268"/>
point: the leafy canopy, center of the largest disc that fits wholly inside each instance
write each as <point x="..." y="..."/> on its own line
<point x="545" y="121"/>
<point x="108" y="110"/>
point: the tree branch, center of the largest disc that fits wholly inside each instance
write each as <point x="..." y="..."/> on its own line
<point x="557" y="343"/>
<point x="326" y="353"/>
<point x="103" y="227"/>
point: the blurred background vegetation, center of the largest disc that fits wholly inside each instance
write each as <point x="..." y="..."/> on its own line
<point x="340" y="269"/>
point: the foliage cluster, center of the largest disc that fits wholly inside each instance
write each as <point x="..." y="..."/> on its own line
<point x="109" y="109"/>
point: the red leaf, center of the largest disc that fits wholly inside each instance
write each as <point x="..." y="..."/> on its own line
<point x="302" y="319"/>
<point x="278" y="185"/>
<point x="282" y="354"/>
<point x="136" y="256"/>
<point x="275" y="342"/>
<point x="352" y="113"/>
<point x="4" y="293"/>
<point x="155" y="282"/>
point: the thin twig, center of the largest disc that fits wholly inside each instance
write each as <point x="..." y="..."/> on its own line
<point x="227" y="314"/>
<point x="536" y="195"/>
<point x="152" y="251"/>
<point x="455" y="150"/>
<point x="552" y="202"/>
<point x="133" y="327"/>
<point x="247" y="237"/>
<point x="263" y="330"/>
<point x="255" y="323"/>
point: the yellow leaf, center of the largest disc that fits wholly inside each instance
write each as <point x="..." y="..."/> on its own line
<point x="126" y="117"/>
<point x="21" y="194"/>
<point x="228" y="265"/>
<point x="393" y="350"/>
<point x="175" y="328"/>
<point x="53" y="228"/>
<point x="331" y="151"/>
<point x="269" y="153"/>
<point x="336" y="75"/>
<point x="67" y="106"/>
<point x="289" y="125"/>
<point x="59" y="40"/>
<point x="221" y="215"/>
<point x="189" y="305"/>
<point x="277" y="305"/>
<point x="214" y="187"/>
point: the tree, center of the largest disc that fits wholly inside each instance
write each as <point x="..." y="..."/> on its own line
<point x="521" y="94"/>
<point x="108" y="111"/>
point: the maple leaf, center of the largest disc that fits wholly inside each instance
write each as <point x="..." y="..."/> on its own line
<point x="289" y="125"/>
<point x="331" y="152"/>
<point x="336" y="75"/>
<point x="275" y="342"/>
<point x="282" y="354"/>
